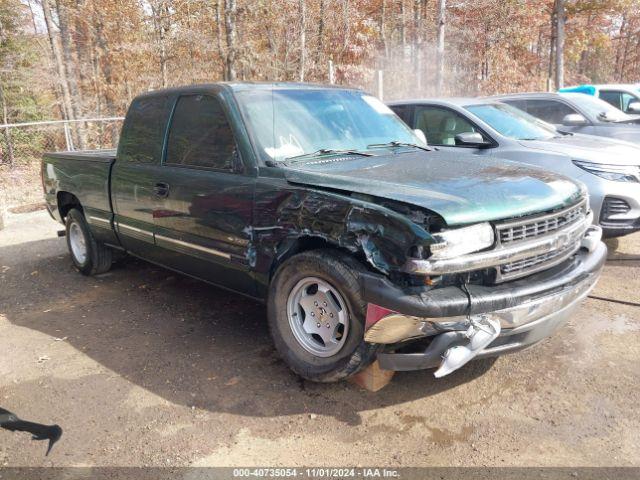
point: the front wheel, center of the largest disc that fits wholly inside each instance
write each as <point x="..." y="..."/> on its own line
<point x="88" y="255"/>
<point x="316" y="316"/>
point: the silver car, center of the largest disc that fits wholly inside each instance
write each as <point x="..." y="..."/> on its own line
<point x="577" y="113"/>
<point x="488" y="128"/>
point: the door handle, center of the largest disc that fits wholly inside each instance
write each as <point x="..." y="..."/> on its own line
<point x="161" y="190"/>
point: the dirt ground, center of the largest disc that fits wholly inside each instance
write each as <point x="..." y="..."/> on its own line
<point x="143" y="367"/>
<point x="20" y="185"/>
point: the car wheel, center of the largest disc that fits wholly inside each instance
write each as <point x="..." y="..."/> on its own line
<point x="88" y="255"/>
<point x="317" y="314"/>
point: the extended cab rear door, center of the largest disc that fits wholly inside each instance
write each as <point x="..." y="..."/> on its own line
<point x="134" y="176"/>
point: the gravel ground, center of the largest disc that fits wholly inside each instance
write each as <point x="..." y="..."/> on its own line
<point x="143" y="367"/>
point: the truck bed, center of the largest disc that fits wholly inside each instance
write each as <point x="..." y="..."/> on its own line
<point x="85" y="175"/>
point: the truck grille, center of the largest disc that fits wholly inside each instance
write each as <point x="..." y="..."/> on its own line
<point x="564" y="224"/>
<point x="542" y="225"/>
<point x="536" y="263"/>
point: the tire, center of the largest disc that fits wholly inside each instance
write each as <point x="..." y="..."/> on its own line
<point x="89" y="256"/>
<point x="308" y="357"/>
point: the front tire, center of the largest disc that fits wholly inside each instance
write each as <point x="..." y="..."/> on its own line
<point x="89" y="256"/>
<point x="317" y="315"/>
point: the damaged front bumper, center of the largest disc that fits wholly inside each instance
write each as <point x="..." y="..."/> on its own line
<point x="422" y="327"/>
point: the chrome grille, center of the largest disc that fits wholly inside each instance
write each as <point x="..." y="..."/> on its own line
<point x="565" y="226"/>
<point x="536" y="263"/>
<point x="533" y="227"/>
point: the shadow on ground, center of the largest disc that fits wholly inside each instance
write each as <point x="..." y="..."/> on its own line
<point x="182" y="339"/>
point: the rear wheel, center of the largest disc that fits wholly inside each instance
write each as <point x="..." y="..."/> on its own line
<point x="316" y="316"/>
<point x="88" y="255"/>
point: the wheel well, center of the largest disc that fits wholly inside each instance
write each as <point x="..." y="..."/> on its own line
<point x="67" y="201"/>
<point x="307" y="243"/>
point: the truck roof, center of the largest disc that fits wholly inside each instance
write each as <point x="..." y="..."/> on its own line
<point x="459" y="101"/>
<point x="242" y="86"/>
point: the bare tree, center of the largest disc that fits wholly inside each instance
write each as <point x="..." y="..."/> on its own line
<point x="7" y="133"/>
<point x="5" y="119"/>
<point x="403" y="28"/>
<point x="320" y="43"/>
<point x="417" y="45"/>
<point x="57" y="57"/>
<point x="161" y="24"/>
<point x="560" y="21"/>
<point x="70" y="69"/>
<point x="552" y="43"/>
<point x="347" y="25"/>
<point x="230" y="12"/>
<point x="383" y="28"/>
<point x="442" y="10"/>
<point x="104" y="63"/>
<point x="302" y="13"/>
<point x="219" y="35"/>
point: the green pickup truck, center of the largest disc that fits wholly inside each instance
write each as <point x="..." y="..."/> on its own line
<point x="364" y="242"/>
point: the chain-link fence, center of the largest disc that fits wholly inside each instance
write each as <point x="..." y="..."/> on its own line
<point x="21" y="143"/>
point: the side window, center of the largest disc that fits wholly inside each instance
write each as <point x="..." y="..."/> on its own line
<point x="627" y="98"/>
<point x="441" y="125"/>
<point x="550" y="111"/>
<point x="613" y="98"/>
<point x="200" y="135"/>
<point x="404" y="112"/>
<point x="519" y="104"/>
<point x="143" y="131"/>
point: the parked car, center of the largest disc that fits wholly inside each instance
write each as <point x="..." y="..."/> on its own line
<point x="578" y="113"/>
<point x="625" y="97"/>
<point x="488" y="129"/>
<point x="362" y="241"/>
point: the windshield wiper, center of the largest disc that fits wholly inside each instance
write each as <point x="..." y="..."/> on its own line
<point x="396" y="143"/>
<point x="330" y="151"/>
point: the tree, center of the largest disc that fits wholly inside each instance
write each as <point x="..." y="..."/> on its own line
<point x="59" y="62"/>
<point x="70" y="70"/>
<point x="230" y="12"/>
<point x="442" y="9"/>
<point x="101" y="53"/>
<point x="302" y="13"/>
<point x="560" y="22"/>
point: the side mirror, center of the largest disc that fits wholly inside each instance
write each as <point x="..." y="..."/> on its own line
<point x="420" y="134"/>
<point x="574" y="120"/>
<point x="471" y="139"/>
<point x="633" y="107"/>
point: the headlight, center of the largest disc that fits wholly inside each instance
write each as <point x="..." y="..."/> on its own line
<point x="617" y="173"/>
<point x="452" y="243"/>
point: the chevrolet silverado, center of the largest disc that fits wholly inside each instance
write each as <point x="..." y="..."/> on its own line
<point x="364" y="242"/>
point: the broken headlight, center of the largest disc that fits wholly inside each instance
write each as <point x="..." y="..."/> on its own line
<point x="459" y="241"/>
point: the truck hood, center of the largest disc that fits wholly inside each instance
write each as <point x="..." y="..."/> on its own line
<point x="590" y="148"/>
<point x="462" y="188"/>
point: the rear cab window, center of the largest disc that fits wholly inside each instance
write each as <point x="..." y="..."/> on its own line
<point x="143" y="131"/>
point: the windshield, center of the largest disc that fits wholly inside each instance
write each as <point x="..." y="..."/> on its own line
<point x="598" y="109"/>
<point x="289" y="123"/>
<point x="511" y="122"/>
